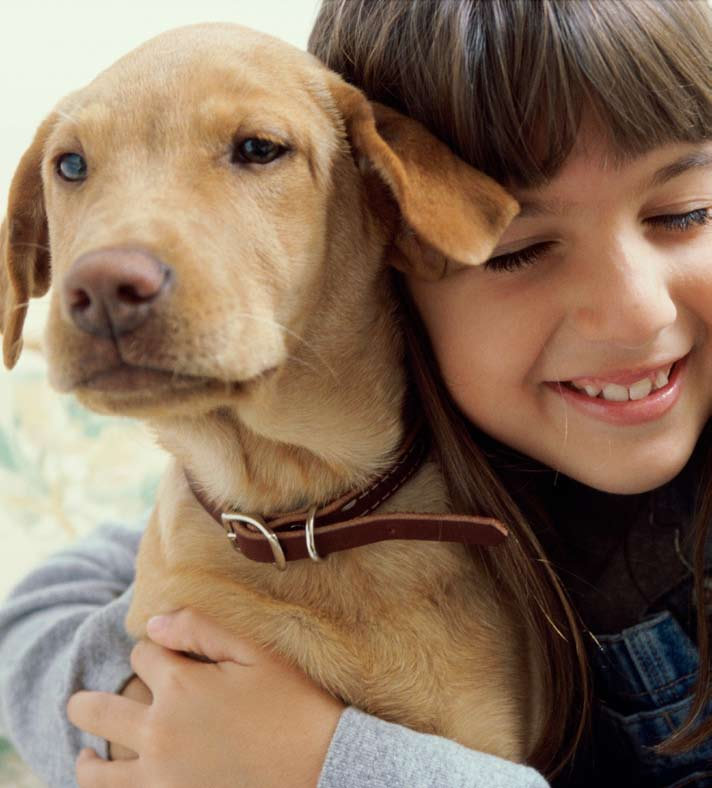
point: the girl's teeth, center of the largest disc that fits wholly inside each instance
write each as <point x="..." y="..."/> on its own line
<point x="661" y="377"/>
<point x="641" y="389"/>
<point x="615" y="393"/>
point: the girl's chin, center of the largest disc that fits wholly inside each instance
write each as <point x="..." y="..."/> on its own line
<point x="624" y="459"/>
<point x="630" y="478"/>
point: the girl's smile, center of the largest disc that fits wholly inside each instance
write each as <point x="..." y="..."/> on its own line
<point x="622" y="386"/>
<point x="648" y="398"/>
<point x="584" y="341"/>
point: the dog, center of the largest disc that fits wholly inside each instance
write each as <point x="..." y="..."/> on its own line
<point x="219" y="215"/>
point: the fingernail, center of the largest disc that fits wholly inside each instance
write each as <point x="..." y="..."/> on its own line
<point x="157" y="623"/>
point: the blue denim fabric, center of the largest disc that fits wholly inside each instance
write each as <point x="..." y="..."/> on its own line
<point x="643" y="680"/>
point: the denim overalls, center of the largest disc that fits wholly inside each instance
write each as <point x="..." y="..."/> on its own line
<point x="643" y="674"/>
<point x="643" y="679"/>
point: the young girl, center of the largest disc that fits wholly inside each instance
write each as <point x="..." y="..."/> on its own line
<point x="567" y="382"/>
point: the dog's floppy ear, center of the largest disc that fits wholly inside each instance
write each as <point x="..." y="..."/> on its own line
<point x="451" y="211"/>
<point x="24" y="250"/>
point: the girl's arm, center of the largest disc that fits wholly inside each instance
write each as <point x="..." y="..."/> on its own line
<point x="251" y="720"/>
<point x="62" y="630"/>
<point x="368" y="752"/>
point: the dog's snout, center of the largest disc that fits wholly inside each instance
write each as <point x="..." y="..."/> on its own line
<point x="111" y="292"/>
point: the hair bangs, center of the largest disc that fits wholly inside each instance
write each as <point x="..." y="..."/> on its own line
<point x="506" y="84"/>
<point x="642" y="71"/>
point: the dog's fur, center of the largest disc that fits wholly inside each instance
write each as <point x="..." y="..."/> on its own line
<point x="285" y="378"/>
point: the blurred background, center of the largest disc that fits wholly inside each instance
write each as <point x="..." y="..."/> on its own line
<point x="64" y="470"/>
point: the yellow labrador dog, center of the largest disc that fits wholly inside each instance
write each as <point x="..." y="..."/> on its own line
<point x="218" y="213"/>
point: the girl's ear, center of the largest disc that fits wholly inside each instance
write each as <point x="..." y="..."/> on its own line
<point x="24" y="246"/>
<point x="451" y="211"/>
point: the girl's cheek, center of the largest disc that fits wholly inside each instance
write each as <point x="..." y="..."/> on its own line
<point x="694" y="278"/>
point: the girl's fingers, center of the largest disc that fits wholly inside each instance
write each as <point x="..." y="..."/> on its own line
<point x="153" y="663"/>
<point x="94" y="772"/>
<point x="191" y="631"/>
<point x="107" y="716"/>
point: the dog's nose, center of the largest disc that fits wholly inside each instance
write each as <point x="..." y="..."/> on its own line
<point x="110" y="292"/>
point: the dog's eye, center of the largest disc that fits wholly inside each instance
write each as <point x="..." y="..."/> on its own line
<point x="72" y="167"/>
<point x="258" y="151"/>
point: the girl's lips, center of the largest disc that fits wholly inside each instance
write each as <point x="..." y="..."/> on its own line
<point x="625" y="378"/>
<point x="652" y="407"/>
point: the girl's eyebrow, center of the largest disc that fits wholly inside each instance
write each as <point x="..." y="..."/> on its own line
<point x="539" y="207"/>
<point x="687" y="162"/>
<point x="694" y="160"/>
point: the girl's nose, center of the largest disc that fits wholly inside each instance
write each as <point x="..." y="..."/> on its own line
<point x="622" y="296"/>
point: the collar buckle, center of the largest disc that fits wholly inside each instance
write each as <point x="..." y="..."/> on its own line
<point x="254" y="523"/>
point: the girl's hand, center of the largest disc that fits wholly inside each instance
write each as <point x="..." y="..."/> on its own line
<point x="136" y="690"/>
<point x="248" y="721"/>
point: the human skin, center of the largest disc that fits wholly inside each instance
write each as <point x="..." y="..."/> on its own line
<point x="248" y="721"/>
<point x="616" y="292"/>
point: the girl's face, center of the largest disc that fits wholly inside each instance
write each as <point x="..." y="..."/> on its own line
<point x="586" y="339"/>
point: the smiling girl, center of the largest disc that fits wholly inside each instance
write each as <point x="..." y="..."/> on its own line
<point x="569" y="378"/>
<point x="568" y="383"/>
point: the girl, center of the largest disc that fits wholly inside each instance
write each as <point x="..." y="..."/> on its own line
<point x="566" y="382"/>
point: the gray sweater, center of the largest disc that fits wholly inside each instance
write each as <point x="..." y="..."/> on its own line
<point x="61" y="630"/>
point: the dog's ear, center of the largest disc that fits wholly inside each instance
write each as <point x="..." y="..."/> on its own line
<point x="451" y="212"/>
<point x="24" y="249"/>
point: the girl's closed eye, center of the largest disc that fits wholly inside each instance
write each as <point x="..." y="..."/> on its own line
<point x="519" y="259"/>
<point x="682" y="221"/>
<point x="528" y="255"/>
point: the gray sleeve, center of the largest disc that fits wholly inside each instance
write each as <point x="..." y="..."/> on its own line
<point x="369" y="753"/>
<point x="62" y="630"/>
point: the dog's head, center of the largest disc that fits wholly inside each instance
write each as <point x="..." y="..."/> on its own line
<point x="209" y="207"/>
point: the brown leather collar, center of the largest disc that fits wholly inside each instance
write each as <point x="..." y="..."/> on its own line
<point x="346" y="522"/>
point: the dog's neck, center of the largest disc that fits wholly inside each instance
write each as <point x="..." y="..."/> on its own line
<point x="312" y="431"/>
<point x="306" y="450"/>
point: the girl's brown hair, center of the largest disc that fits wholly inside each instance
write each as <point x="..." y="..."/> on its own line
<point x="505" y="83"/>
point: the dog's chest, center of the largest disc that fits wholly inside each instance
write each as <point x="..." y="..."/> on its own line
<point x="399" y="629"/>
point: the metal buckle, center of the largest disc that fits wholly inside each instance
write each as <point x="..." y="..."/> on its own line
<point x="258" y="524"/>
<point x="311" y="546"/>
